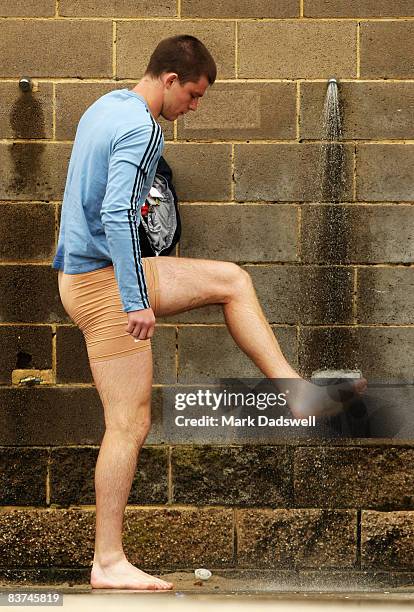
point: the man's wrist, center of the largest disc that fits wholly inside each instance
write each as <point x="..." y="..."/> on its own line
<point x="136" y="309"/>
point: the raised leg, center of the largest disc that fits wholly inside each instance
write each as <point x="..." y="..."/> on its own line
<point x="189" y="283"/>
<point x="124" y="386"/>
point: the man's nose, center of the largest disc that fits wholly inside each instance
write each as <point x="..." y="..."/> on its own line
<point x="193" y="105"/>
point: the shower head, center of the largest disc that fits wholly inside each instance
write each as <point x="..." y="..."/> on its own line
<point x="333" y="81"/>
<point x="25" y="84"/>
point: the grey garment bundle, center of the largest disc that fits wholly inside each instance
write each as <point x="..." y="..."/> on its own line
<point x="161" y="221"/>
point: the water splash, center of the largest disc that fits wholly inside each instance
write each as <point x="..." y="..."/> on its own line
<point x="334" y="221"/>
<point x="332" y="155"/>
<point x="332" y="245"/>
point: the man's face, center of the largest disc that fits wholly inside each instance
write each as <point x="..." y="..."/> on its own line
<point x="179" y="99"/>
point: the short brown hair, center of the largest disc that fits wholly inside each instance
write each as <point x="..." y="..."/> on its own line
<point x="185" y="55"/>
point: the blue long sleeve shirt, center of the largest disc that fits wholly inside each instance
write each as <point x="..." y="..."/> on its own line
<point x="111" y="170"/>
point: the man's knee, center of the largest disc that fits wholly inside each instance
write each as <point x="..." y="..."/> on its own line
<point x="133" y="427"/>
<point x="241" y="279"/>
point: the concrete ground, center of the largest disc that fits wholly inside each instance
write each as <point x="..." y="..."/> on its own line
<point x="117" y="601"/>
<point x="249" y="592"/>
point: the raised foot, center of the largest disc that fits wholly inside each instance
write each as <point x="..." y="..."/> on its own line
<point x="309" y="399"/>
<point x="124" y="575"/>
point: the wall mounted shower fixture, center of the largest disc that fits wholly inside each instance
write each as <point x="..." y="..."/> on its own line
<point x="26" y="84"/>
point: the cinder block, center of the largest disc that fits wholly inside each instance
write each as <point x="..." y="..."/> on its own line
<point x="201" y="172"/>
<point x="387" y="353"/>
<point x="30" y="295"/>
<point x="72" y="473"/>
<point x="307" y="295"/>
<point x="27" y="8"/>
<point x="284" y="172"/>
<point x="370" y="110"/>
<point x="156" y="434"/>
<point x="65" y="538"/>
<point x="33" y="171"/>
<point x="24" y="347"/>
<point x="369" y="234"/>
<point x="397" y="37"/>
<point x="72" y="100"/>
<point x="299" y="49"/>
<point x="207" y="354"/>
<point x="357" y="8"/>
<point x="163" y="350"/>
<point x="386" y="540"/>
<point x="244" y="475"/>
<point x="328" y="348"/>
<point x="385" y="295"/>
<point x="18" y="467"/>
<point x="384" y="172"/>
<point x="60" y="48"/>
<point x="239" y="233"/>
<point x="240" y="8"/>
<point x="57" y="538"/>
<point x="72" y="363"/>
<point x="133" y="58"/>
<point x="45" y="576"/>
<point x="336" y="477"/>
<point x="243" y="111"/>
<point x="27" y="231"/>
<point x="80" y="411"/>
<point x="196" y="537"/>
<point x="297" y="538"/>
<point x="70" y="415"/>
<point x="26" y="114"/>
<point x="116" y="8"/>
<point x="328" y="234"/>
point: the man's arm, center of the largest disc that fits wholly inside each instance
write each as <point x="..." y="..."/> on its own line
<point x="134" y="155"/>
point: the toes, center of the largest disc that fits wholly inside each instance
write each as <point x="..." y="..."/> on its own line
<point x="160" y="584"/>
<point x="164" y="584"/>
<point x="360" y="385"/>
<point x="151" y="586"/>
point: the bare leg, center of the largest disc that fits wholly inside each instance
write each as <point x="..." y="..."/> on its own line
<point x="124" y="386"/>
<point x="189" y="283"/>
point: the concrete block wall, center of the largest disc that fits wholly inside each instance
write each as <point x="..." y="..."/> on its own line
<point x="246" y="174"/>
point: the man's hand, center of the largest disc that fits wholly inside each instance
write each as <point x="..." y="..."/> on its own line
<point x="141" y="323"/>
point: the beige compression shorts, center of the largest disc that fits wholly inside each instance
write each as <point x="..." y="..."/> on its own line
<point x="93" y="302"/>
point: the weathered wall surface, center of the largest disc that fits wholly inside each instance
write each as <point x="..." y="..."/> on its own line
<point x="245" y="170"/>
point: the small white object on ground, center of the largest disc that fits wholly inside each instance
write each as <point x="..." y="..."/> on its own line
<point x="202" y="573"/>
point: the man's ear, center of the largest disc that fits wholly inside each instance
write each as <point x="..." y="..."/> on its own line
<point x="169" y="78"/>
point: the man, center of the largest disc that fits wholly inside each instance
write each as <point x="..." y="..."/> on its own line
<point x="113" y="295"/>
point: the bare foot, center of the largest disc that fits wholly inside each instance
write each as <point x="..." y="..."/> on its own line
<point x="124" y="575"/>
<point x="307" y="399"/>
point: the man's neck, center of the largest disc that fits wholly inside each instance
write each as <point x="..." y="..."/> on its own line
<point x="151" y="91"/>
